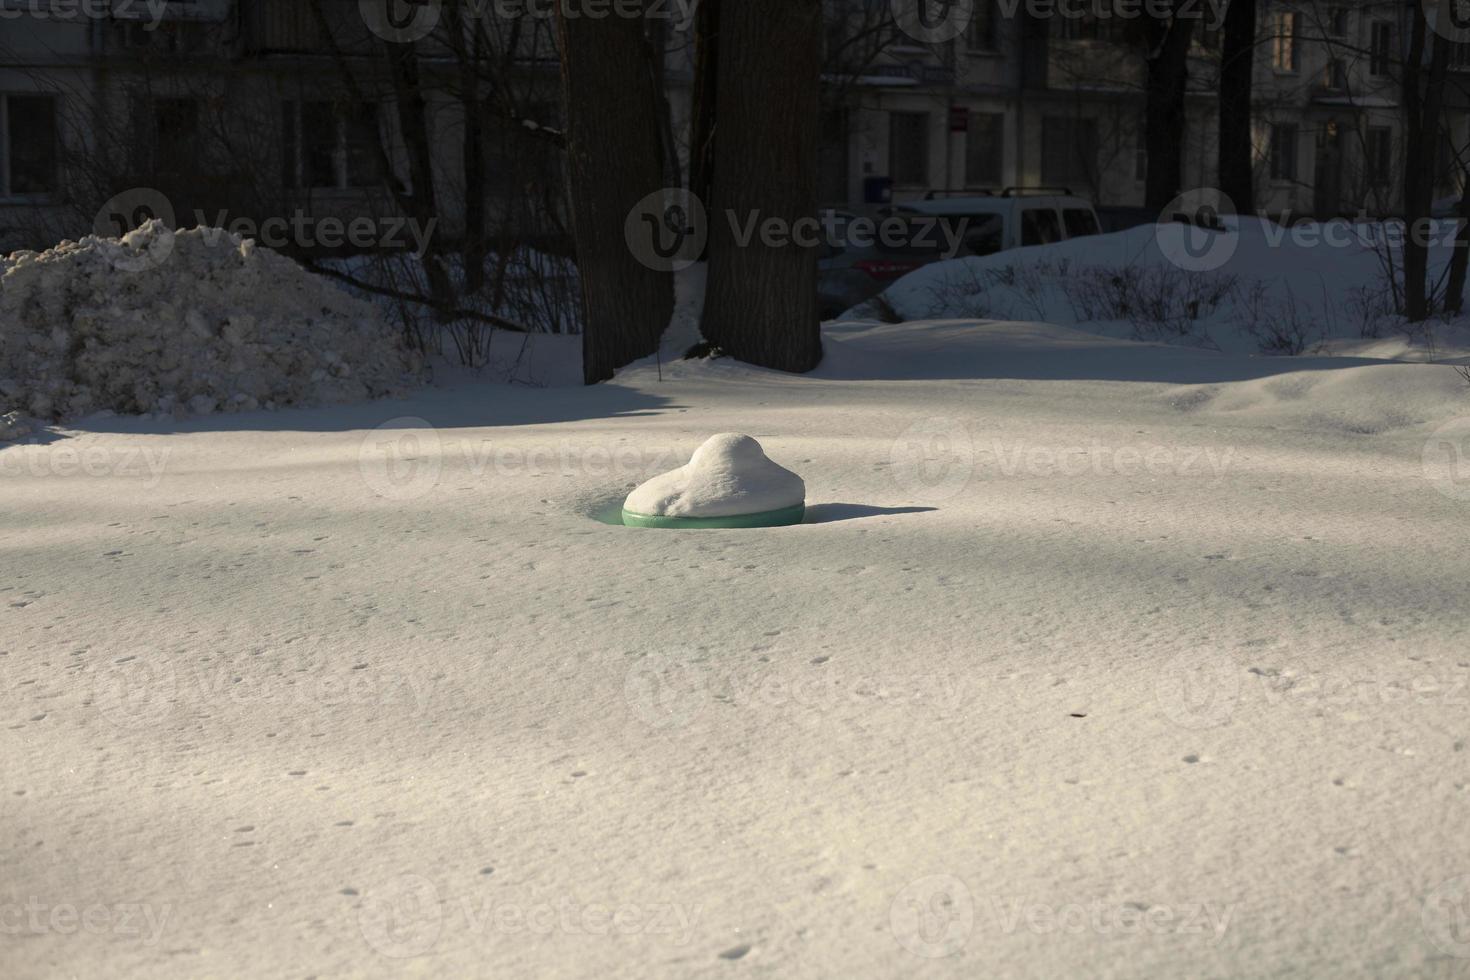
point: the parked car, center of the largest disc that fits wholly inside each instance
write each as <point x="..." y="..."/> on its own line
<point x="856" y="267"/>
<point x="1015" y="217"/>
<point x="1121" y="218"/>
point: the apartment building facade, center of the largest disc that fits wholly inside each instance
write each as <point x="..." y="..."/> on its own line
<point x="1018" y="99"/>
<point x="246" y="109"/>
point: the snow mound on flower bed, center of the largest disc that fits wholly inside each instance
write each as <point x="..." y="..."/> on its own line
<point x="1255" y="287"/>
<point x="186" y="323"/>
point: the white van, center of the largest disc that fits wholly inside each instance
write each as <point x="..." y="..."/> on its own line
<point x="1015" y="217"/>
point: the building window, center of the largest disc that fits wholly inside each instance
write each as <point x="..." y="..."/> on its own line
<point x="1283" y="151"/>
<point x="28" y="164"/>
<point x="1337" y="21"/>
<point x="175" y="136"/>
<point x="1334" y="76"/>
<point x="1380" y="48"/>
<point x="984" y="149"/>
<point x="1097" y="22"/>
<point x="1285" y="52"/>
<point x="1068" y="151"/>
<point x="980" y="34"/>
<point x="1378" y="149"/>
<point x="908" y="148"/>
<point x="331" y="146"/>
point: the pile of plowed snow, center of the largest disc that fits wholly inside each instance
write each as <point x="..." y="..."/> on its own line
<point x="186" y="323"/>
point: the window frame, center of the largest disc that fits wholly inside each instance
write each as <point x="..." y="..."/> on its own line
<point x="925" y="156"/>
<point x="1286" y="42"/>
<point x="296" y="143"/>
<point x="1376" y="175"/>
<point x="998" y="120"/>
<point x="7" y="163"/>
<point x="1380" y="61"/>
<point x="1081" y="168"/>
<point x="1285" y="136"/>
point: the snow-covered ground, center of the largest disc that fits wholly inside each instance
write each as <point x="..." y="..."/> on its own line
<point x="1093" y="659"/>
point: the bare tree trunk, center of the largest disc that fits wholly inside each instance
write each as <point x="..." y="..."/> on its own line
<point x="413" y="125"/>
<point x="1454" y="299"/>
<point x="1422" y="102"/>
<point x="1237" y="59"/>
<point x="474" y="160"/>
<point x="1168" y="70"/>
<point x="615" y="161"/>
<point x="705" y="96"/>
<point x="761" y="299"/>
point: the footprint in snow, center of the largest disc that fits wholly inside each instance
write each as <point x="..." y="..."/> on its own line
<point x="734" y="953"/>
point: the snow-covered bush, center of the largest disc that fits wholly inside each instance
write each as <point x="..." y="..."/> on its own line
<point x="1260" y="288"/>
<point x="192" y="322"/>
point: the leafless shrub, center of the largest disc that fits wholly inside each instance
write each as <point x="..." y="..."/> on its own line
<point x="1157" y="301"/>
<point x="1283" y="327"/>
<point x="1370" y="306"/>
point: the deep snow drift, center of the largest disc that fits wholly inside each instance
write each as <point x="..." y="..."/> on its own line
<point x="189" y="323"/>
<point x="1253" y="287"/>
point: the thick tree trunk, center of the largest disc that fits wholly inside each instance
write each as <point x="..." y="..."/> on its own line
<point x="1168" y="69"/>
<point x="1237" y="59"/>
<point x="612" y="131"/>
<point x="761" y="298"/>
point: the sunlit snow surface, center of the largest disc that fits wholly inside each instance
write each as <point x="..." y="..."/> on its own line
<point x="1093" y="659"/>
